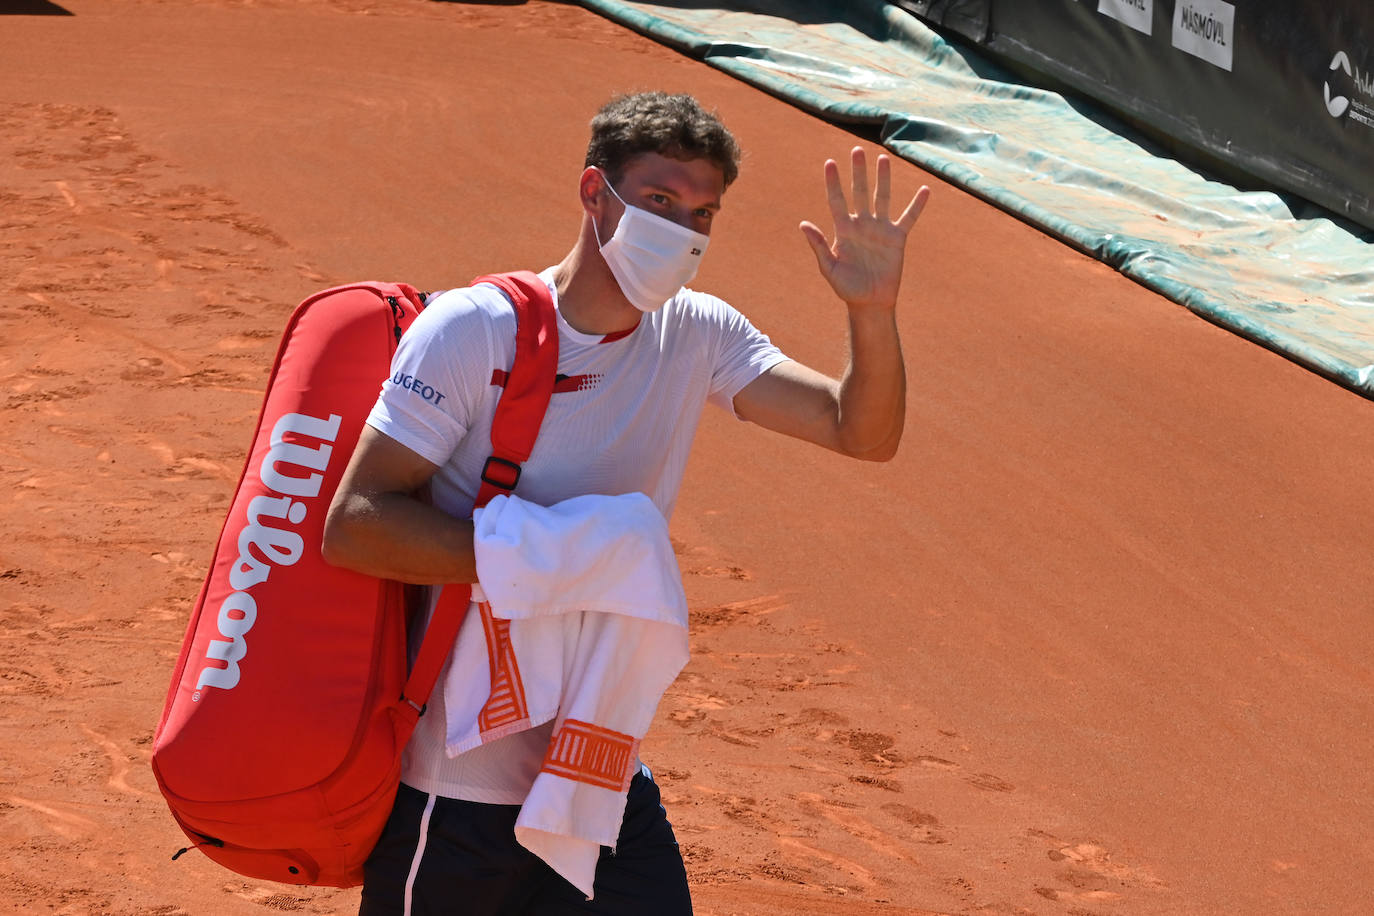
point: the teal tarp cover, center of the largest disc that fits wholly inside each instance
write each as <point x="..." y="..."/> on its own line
<point x="1273" y="269"/>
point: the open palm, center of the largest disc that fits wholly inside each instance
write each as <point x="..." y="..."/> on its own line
<point x="864" y="262"/>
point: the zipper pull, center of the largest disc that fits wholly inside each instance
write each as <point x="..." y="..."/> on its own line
<point x="209" y="841"/>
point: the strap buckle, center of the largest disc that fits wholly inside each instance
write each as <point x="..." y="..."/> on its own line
<point x="508" y="473"/>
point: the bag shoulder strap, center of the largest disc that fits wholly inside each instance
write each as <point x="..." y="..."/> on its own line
<point x="519" y="414"/>
<point x="521" y="408"/>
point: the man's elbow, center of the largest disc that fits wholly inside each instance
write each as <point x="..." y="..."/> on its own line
<point x="879" y="455"/>
<point x="882" y="452"/>
<point x="340" y="544"/>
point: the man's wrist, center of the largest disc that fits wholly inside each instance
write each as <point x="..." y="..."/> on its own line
<point x="868" y="318"/>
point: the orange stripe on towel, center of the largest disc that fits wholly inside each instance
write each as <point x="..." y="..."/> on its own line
<point x="589" y="753"/>
<point x="506" y="705"/>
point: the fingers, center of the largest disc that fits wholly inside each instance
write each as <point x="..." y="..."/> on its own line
<point x="883" y="195"/>
<point x="880" y="204"/>
<point x="839" y="207"/>
<point x="913" y="209"/>
<point x="858" y="163"/>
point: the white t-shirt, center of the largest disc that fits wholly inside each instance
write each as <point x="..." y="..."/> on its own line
<point x="621" y="420"/>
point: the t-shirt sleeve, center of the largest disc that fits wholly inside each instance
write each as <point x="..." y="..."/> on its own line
<point x="743" y="354"/>
<point x="428" y="401"/>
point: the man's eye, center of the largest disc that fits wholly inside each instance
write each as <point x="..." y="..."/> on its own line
<point x="658" y="198"/>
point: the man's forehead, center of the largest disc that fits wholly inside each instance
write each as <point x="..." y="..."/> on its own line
<point x="700" y="175"/>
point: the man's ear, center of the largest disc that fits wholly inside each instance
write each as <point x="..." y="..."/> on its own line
<point x="591" y="189"/>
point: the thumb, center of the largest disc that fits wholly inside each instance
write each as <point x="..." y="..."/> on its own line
<point x="825" y="258"/>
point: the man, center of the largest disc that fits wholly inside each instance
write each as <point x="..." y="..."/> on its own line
<point x="649" y="354"/>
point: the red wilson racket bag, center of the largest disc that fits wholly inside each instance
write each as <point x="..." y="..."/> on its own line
<point x="280" y="741"/>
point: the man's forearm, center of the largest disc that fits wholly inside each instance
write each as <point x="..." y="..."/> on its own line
<point x="395" y="536"/>
<point x="872" y="408"/>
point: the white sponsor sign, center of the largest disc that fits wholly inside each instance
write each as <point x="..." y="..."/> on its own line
<point x="1359" y="105"/>
<point x="1135" y="13"/>
<point x="1206" y="29"/>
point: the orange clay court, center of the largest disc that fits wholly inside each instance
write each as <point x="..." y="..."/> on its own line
<point x="1098" y="641"/>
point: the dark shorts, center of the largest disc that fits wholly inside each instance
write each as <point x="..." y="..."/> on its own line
<point x="472" y="865"/>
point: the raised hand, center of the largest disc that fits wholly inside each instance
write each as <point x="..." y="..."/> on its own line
<point x="864" y="262"/>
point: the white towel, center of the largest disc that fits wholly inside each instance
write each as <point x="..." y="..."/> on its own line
<point x="598" y="631"/>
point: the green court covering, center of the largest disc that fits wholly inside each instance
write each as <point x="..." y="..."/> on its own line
<point x="1273" y="269"/>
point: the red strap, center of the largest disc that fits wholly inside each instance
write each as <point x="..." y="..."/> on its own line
<point x="530" y="383"/>
<point x="519" y="413"/>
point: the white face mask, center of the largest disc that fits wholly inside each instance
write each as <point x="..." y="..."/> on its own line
<point x="651" y="257"/>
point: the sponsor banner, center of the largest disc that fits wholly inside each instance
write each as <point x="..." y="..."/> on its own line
<point x="1138" y="14"/>
<point x="1352" y="96"/>
<point x="1276" y="93"/>
<point x="1206" y="29"/>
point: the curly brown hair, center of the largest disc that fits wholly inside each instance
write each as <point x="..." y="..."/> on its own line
<point x="675" y="126"/>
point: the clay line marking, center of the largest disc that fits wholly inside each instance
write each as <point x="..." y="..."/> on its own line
<point x="856" y="827"/>
<point x="854" y="868"/>
<point x="82" y="824"/>
<point x="118" y="761"/>
<point x="83" y="319"/>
